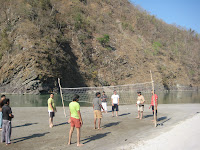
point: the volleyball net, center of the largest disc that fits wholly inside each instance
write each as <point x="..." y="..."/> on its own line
<point x="127" y="93"/>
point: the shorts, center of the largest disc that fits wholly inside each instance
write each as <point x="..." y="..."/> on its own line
<point x="75" y="122"/>
<point x="140" y="107"/>
<point x="97" y="114"/>
<point x="104" y="105"/>
<point x="153" y="110"/>
<point x="51" y="114"/>
<point x="115" y="107"/>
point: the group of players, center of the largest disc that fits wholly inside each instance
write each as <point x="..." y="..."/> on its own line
<point x="99" y="106"/>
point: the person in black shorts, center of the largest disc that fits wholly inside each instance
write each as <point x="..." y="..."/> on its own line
<point x="115" y="103"/>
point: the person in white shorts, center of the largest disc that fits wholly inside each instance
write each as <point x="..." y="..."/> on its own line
<point x="140" y="105"/>
<point x="104" y="101"/>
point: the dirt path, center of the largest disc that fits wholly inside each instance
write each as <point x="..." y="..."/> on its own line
<point x="30" y="127"/>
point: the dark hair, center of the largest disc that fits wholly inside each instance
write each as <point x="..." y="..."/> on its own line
<point x="97" y="93"/>
<point x="51" y="93"/>
<point x="3" y="96"/>
<point x="5" y="101"/>
<point x="114" y="91"/>
<point x="139" y="93"/>
<point x="153" y="91"/>
<point x="103" y="92"/>
<point x="76" y="96"/>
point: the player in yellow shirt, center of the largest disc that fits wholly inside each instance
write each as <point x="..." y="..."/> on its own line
<point x="51" y="109"/>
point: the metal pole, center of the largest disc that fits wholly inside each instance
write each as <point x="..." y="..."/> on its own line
<point x="62" y="97"/>
<point x="155" y="121"/>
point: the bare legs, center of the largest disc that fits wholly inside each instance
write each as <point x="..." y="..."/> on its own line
<point x="99" y="123"/>
<point x="78" y="136"/>
<point x="95" y="123"/>
<point x="70" y="135"/>
<point x="140" y="115"/>
<point x="116" y="113"/>
<point x="51" y="122"/>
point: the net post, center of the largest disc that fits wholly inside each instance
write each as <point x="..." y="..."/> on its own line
<point x="62" y="97"/>
<point x="155" y="108"/>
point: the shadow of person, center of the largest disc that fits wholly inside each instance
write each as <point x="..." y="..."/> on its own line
<point x="24" y="125"/>
<point x="111" y="124"/>
<point x="95" y="137"/>
<point x="61" y="124"/>
<point x="29" y="137"/>
<point x="124" y="114"/>
<point x="162" y="118"/>
<point x="147" y="116"/>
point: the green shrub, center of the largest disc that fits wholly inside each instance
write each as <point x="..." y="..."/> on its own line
<point x="156" y="47"/>
<point x="104" y="40"/>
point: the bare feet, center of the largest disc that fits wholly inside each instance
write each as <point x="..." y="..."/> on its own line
<point x="140" y="118"/>
<point x="69" y="143"/>
<point x="79" y="145"/>
<point x="99" y="128"/>
<point x="137" y="117"/>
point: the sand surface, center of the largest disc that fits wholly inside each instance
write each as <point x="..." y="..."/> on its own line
<point x="30" y="128"/>
<point x="183" y="136"/>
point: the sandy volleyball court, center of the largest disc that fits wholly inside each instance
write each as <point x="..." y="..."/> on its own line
<point x="30" y="128"/>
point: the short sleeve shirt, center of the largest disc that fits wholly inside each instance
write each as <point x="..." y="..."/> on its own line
<point x="156" y="99"/>
<point x="97" y="103"/>
<point x="74" y="107"/>
<point x="6" y="110"/>
<point x="104" y="98"/>
<point x="115" y="98"/>
<point x="51" y="101"/>
<point x="141" y="99"/>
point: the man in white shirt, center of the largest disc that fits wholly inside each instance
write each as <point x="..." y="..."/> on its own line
<point x="115" y="103"/>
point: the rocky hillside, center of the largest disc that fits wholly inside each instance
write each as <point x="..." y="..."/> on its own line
<point x="91" y="43"/>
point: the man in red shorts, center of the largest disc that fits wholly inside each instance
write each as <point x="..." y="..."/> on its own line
<point x="75" y="119"/>
<point x="152" y="103"/>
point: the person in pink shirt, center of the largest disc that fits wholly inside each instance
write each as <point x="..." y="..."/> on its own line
<point x="152" y="102"/>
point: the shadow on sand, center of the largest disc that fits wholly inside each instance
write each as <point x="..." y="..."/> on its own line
<point x="111" y="124"/>
<point x="60" y="124"/>
<point x="95" y="137"/>
<point x="124" y="114"/>
<point x="147" y="116"/>
<point x="165" y="120"/>
<point x="24" y="125"/>
<point x="29" y="137"/>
